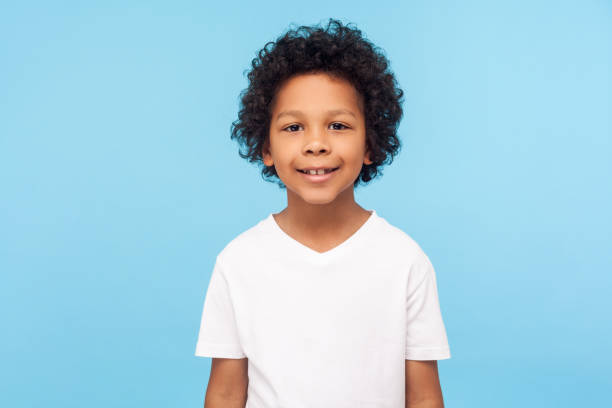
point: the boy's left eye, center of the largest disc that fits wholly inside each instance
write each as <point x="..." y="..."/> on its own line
<point x="338" y="126"/>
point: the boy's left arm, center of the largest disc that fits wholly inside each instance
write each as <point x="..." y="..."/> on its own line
<point x="423" y="384"/>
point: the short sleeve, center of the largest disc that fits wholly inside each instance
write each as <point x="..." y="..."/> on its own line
<point x="425" y="333"/>
<point x="218" y="336"/>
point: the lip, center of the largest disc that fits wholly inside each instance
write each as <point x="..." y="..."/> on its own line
<point x="318" y="178"/>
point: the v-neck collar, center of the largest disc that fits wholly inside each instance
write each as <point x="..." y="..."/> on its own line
<point x="330" y="253"/>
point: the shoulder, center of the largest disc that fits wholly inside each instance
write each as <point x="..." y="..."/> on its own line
<point x="400" y="242"/>
<point x="407" y="253"/>
<point x="246" y="245"/>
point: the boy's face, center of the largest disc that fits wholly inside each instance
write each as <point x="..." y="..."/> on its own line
<point x="317" y="121"/>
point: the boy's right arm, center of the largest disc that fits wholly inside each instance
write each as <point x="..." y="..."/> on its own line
<point x="228" y="383"/>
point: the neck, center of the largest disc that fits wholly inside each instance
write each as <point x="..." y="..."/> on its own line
<point x="327" y="216"/>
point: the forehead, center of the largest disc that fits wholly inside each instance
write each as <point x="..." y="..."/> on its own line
<point x="317" y="92"/>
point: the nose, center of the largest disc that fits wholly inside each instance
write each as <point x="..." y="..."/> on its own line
<point x="316" y="142"/>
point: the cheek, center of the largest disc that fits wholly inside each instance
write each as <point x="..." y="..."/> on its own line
<point x="284" y="166"/>
<point x="352" y="152"/>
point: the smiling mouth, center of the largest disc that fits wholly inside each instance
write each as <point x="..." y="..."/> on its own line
<point x="318" y="172"/>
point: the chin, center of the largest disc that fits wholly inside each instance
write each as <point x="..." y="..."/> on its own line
<point x="319" y="201"/>
<point x="317" y="198"/>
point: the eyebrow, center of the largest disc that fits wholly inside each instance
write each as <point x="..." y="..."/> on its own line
<point x="329" y="112"/>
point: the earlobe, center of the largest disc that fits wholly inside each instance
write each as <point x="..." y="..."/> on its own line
<point x="366" y="159"/>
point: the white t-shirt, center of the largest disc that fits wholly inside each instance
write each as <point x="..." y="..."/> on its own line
<point x="327" y="329"/>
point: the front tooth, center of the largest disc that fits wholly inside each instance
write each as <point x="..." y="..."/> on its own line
<point x="312" y="172"/>
<point x="321" y="171"/>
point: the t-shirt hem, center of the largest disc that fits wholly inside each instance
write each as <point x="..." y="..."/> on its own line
<point x="204" y="349"/>
<point x="424" y="353"/>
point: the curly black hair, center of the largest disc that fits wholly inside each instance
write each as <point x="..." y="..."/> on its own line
<point x="338" y="50"/>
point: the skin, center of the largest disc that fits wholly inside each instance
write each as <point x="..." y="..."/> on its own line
<point x="423" y="384"/>
<point x="227" y="384"/>
<point x="318" y="120"/>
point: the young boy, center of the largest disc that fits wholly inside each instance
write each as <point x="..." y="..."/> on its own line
<point x="324" y="304"/>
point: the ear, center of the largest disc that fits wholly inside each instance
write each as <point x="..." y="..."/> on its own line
<point x="267" y="157"/>
<point x="366" y="159"/>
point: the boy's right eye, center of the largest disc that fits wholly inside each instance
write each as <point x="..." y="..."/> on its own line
<point x="292" y="128"/>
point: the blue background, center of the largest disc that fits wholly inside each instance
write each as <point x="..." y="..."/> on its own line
<point x="119" y="185"/>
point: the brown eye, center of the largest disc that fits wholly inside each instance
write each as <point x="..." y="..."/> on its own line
<point x="292" y="128"/>
<point x="338" y="126"/>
